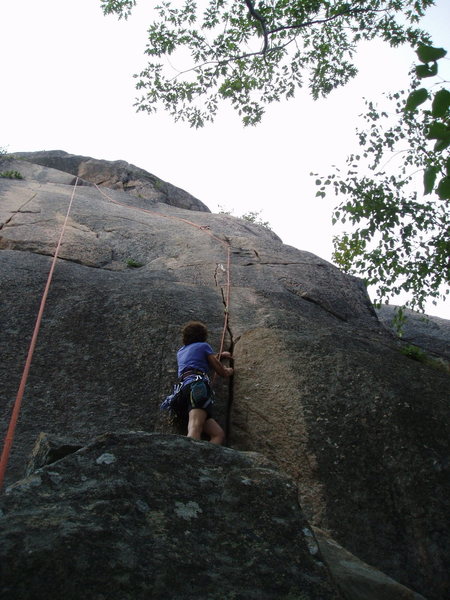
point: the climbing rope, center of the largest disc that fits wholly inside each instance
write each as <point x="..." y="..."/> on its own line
<point x="227" y="299"/>
<point x="18" y="402"/>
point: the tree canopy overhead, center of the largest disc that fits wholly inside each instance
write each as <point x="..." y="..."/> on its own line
<point x="251" y="53"/>
<point x="400" y="240"/>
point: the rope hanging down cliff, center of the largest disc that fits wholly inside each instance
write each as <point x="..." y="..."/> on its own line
<point x="18" y="402"/>
<point x="9" y="438"/>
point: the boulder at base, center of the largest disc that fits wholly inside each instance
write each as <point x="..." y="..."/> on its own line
<point x="134" y="516"/>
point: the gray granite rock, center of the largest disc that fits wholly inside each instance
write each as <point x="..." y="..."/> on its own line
<point x="134" y="516"/>
<point x="321" y="387"/>
<point x="428" y="332"/>
<point x="117" y="174"/>
<point x="49" y="449"/>
<point x="357" y="580"/>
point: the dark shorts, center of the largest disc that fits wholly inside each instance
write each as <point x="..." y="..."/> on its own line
<point x="197" y="394"/>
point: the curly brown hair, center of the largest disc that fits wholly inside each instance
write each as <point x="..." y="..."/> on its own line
<point x="194" y="331"/>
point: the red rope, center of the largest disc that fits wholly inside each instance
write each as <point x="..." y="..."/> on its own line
<point x="18" y="403"/>
<point x="226" y="311"/>
<point x="227" y="300"/>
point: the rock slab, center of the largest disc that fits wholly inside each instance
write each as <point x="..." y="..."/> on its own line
<point x="118" y="175"/>
<point x="134" y="516"/>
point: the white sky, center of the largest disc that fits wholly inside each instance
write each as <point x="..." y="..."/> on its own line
<point x="67" y="85"/>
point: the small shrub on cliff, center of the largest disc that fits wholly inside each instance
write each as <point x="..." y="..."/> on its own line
<point x="11" y="175"/>
<point x="421" y="356"/>
<point x="414" y="352"/>
<point x="134" y="264"/>
<point x="251" y="217"/>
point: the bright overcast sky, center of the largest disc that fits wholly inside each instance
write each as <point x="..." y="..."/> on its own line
<point x="67" y="85"/>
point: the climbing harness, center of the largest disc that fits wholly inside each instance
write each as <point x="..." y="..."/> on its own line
<point x="197" y="391"/>
<point x="195" y="395"/>
<point x="201" y="394"/>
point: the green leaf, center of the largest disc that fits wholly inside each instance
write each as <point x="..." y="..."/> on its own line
<point x="416" y="98"/>
<point x="429" y="53"/>
<point x="441" y="103"/>
<point x="441" y="145"/>
<point x="438" y="131"/>
<point x="443" y="188"/>
<point x="429" y="179"/>
<point x="423" y="71"/>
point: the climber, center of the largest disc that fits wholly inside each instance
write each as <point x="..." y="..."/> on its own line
<point x="195" y="359"/>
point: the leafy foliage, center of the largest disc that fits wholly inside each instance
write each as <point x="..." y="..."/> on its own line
<point x="11" y="175"/>
<point x="133" y="264"/>
<point x="418" y="354"/>
<point x="401" y="240"/>
<point x="250" y="216"/>
<point x="254" y="52"/>
<point x="4" y="155"/>
<point x="414" y="352"/>
<point x="122" y="8"/>
<point x="254" y="217"/>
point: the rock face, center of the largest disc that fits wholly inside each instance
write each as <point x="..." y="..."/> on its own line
<point x="357" y="580"/>
<point x="136" y="515"/>
<point x="117" y="175"/>
<point x="430" y="333"/>
<point x="321" y="387"/>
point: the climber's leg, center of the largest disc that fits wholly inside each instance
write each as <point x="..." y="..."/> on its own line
<point x="197" y="418"/>
<point x="214" y="431"/>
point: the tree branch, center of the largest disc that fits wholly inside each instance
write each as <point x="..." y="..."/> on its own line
<point x="324" y="20"/>
<point x="257" y="15"/>
<point x="227" y="61"/>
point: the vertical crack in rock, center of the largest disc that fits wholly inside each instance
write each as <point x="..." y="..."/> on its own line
<point x="230" y="387"/>
<point x="231" y="379"/>
<point x="219" y="272"/>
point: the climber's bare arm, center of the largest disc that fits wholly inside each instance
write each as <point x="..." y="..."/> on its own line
<point x="218" y="367"/>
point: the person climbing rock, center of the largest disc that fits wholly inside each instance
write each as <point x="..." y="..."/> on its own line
<point x="195" y="360"/>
